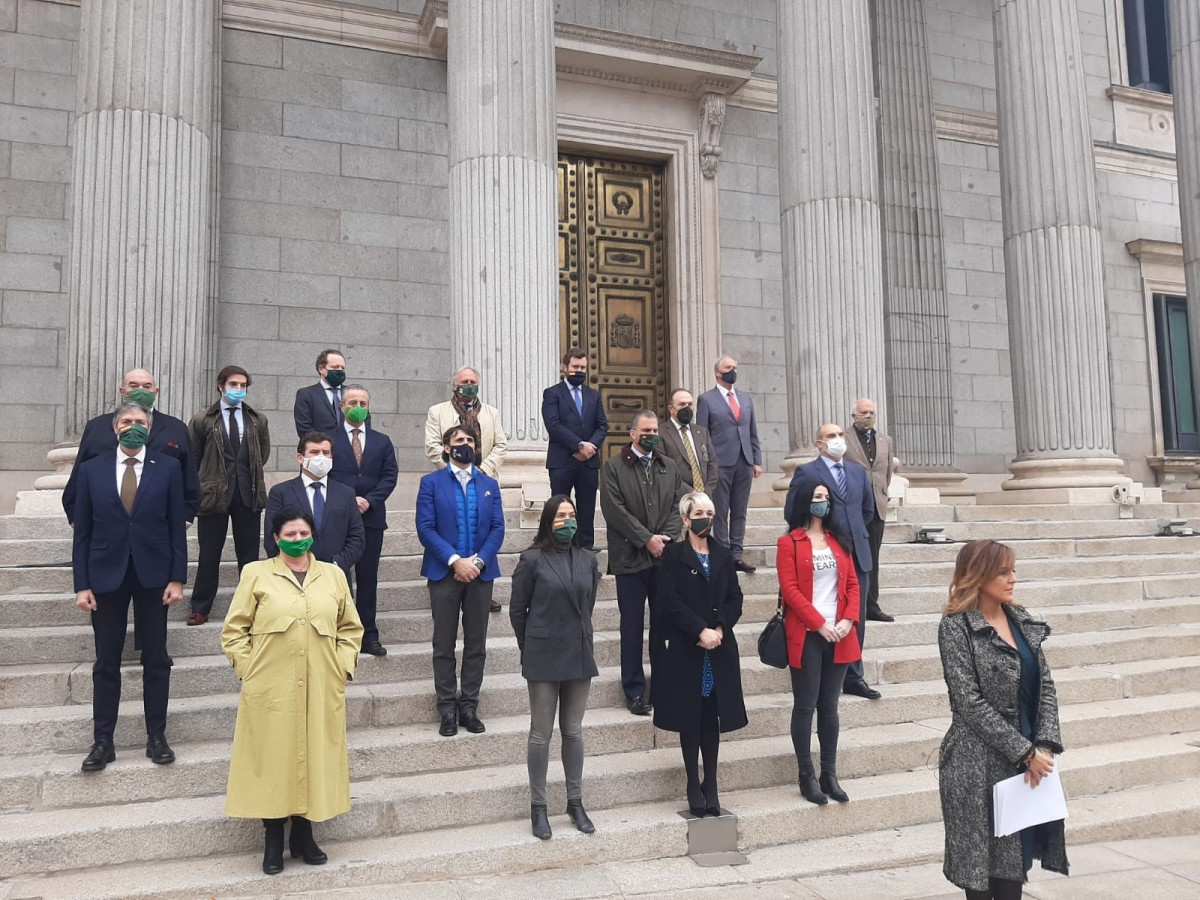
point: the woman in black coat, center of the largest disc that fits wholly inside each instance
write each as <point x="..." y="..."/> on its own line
<point x="553" y="594"/>
<point x="697" y="679"/>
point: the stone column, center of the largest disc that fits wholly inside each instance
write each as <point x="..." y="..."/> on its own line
<point x="1053" y="258"/>
<point x="141" y="199"/>
<point x="504" y="214"/>
<point x="920" y="400"/>
<point x="829" y="217"/>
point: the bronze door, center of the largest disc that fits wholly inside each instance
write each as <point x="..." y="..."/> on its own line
<point x="612" y="284"/>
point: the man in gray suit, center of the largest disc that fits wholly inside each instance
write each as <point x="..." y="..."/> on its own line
<point x="688" y="445"/>
<point x="874" y="452"/>
<point x="729" y="418"/>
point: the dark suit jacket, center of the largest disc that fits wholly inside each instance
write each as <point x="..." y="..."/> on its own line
<point x="374" y="480"/>
<point x="849" y="512"/>
<point x="553" y="595"/>
<point x="706" y="454"/>
<point x="168" y="437"/>
<point x="567" y="429"/>
<point x="340" y="538"/>
<point x="106" y="536"/>
<point x="313" y="411"/>
<point x="736" y="441"/>
<point x="437" y="522"/>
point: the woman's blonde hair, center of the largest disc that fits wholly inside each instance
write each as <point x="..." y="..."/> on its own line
<point x="978" y="563"/>
<point x="691" y="500"/>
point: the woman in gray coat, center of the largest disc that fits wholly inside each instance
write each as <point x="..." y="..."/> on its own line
<point x="1005" y="721"/>
<point x="553" y="594"/>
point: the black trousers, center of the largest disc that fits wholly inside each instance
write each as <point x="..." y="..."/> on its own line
<point x="633" y="593"/>
<point x="448" y="600"/>
<point x="109" y="623"/>
<point x="865" y="580"/>
<point x="210" y="533"/>
<point x="875" y="532"/>
<point x="366" y="584"/>
<point x="584" y="480"/>
<point x="816" y="686"/>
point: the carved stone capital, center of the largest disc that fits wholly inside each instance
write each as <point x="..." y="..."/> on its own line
<point x="712" y="117"/>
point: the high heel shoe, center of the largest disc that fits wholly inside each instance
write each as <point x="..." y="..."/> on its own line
<point x="579" y="817"/>
<point x="829" y="785"/>
<point x="695" y="798"/>
<point x="712" y="805"/>
<point x="273" y="851"/>
<point x="811" y="790"/>
<point x="301" y="842"/>
<point x="540" y="822"/>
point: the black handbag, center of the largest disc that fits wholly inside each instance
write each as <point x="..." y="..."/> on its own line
<point x="772" y="643"/>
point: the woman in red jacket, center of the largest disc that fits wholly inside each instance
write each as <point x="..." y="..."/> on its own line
<point x="820" y="611"/>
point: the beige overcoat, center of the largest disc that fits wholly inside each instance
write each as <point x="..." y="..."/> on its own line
<point x="294" y="647"/>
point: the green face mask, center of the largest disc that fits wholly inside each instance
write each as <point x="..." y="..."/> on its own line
<point x="142" y="396"/>
<point x="564" y="531"/>
<point x="469" y="391"/>
<point x="296" y="548"/>
<point x="648" y="442"/>
<point x="356" y="415"/>
<point x="134" y="437"/>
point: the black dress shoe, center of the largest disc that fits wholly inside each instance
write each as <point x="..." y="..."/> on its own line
<point x="578" y="815"/>
<point x="743" y="566"/>
<point x="539" y="821"/>
<point x="159" y="751"/>
<point x="639" y="706"/>
<point x="875" y="614"/>
<point x="449" y="727"/>
<point x="810" y="789"/>
<point x="273" y="851"/>
<point x="829" y="785"/>
<point x="99" y="756"/>
<point x="470" y="721"/>
<point x="375" y="649"/>
<point x="495" y="607"/>
<point x="860" y="689"/>
<point x="301" y="843"/>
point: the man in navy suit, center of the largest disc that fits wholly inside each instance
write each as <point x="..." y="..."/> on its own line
<point x="130" y="546"/>
<point x="729" y="418"/>
<point x="338" y="537"/>
<point x="853" y="505"/>
<point x="460" y="522"/>
<point x="365" y="461"/>
<point x="318" y="407"/>
<point x="575" y="419"/>
<point x="168" y="437"/>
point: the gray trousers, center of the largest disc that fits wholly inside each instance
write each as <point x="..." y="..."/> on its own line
<point x="448" y="599"/>
<point x="570" y="697"/>
<point x="731" y="496"/>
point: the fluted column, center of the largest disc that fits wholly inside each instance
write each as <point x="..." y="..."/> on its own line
<point x="503" y="208"/>
<point x="915" y="311"/>
<point x="829" y="217"/>
<point x="141" y="200"/>
<point x="1053" y="258"/>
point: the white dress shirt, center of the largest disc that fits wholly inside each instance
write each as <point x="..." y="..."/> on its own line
<point x="237" y="415"/>
<point x="332" y="395"/>
<point x="137" y="469"/>
<point x="308" y="489"/>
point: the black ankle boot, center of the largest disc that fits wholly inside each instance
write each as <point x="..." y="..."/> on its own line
<point x="273" y="852"/>
<point x="541" y="824"/>
<point x="829" y="785"/>
<point x="579" y="816"/>
<point x="812" y="790"/>
<point x="301" y="842"/>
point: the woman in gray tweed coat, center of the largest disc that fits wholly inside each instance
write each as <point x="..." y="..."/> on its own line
<point x="1005" y="721"/>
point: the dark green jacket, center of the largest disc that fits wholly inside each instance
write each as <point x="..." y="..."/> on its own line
<point x="208" y="439"/>
<point x="638" y="502"/>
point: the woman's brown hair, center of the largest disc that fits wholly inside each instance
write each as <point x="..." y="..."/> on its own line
<point x="978" y="563"/>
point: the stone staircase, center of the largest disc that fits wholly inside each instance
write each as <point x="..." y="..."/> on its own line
<point x="1123" y="603"/>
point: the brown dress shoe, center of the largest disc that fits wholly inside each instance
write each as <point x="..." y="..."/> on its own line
<point x="197" y="619"/>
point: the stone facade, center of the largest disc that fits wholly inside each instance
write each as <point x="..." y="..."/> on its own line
<point x="335" y="217"/>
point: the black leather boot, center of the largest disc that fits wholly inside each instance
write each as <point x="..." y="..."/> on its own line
<point x="579" y="816"/>
<point x="540" y="822"/>
<point x="301" y="842"/>
<point x="829" y="785"/>
<point x="812" y="790"/>
<point x="273" y="852"/>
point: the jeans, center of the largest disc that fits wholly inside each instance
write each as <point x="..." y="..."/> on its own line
<point x="570" y="698"/>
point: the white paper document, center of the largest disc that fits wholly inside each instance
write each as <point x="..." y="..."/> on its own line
<point x="1018" y="806"/>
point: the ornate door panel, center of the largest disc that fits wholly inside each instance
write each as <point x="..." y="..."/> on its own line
<point x="612" y="283"/>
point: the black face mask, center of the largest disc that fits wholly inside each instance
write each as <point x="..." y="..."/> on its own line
<point x="462" y="453"/>
<point x="576" y="379"/>
<point x="730" y="376"/>
<point x="700" y="527"/>
<point x="684" y="416"/>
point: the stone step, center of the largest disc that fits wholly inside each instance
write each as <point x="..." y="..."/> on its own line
<point x="1051" y="512"/>
<point x="757" y="787"/>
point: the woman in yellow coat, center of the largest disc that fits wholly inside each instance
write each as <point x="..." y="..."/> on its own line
<point x="292" y="634"/>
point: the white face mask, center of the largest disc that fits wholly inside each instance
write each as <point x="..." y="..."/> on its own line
<point x="318" y="466"/>
<point x="836" y="447"/>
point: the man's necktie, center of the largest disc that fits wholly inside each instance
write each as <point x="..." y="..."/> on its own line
<point x="577" y="393"/>
<point x="235" y="437"/>
<point x="356" y="445"/>
<point x="697" y="478"/>
<point x="734" y="407"/>
<point x="646" y="463"/>
<point x="336" y="399"/>
<point x="129" y="485"/>
<point x="839" y="472"/>
<point x="318" y="505"/>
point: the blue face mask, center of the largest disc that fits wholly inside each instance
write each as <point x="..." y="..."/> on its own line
<point x="234" y="396"/>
